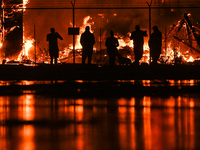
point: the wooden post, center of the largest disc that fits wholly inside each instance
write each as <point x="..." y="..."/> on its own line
<point x="73" y="4"/>
<point x="35" y="43"/>
<point x="100" y="38"/>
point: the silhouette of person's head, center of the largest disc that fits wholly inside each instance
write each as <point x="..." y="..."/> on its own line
<point x="112" y="33"/>
<point x="155" y="28"/>
<point x="87" y="28"/>
<point x="137" y="27"/>
<point x="52" y="30"/>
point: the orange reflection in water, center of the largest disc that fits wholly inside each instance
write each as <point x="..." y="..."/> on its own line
<point x="80" y="140"/>
<point x="132" y="102"/>
<point x="26" y="107"/>
<point x="27" y="142"/>
<point x="4" y="109"/>
<point x="2" y="137"/>
<point x="146" y="101"/>
<point x="170" y="102"/>
<point x="127" y="132"/>
<point x="122" y="102"/>
<point x="79" y="110"/>
<point x="147" y="127"/>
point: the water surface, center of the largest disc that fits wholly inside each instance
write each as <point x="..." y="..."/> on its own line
<point x="35" y="122"/>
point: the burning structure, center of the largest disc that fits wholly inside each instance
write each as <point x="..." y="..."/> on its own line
<point x="12" y="27"/>
<point x="187" y="38"/>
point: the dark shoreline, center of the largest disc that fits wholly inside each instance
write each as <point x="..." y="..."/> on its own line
<point x="71" y="72"/>
<point x="98" y="81"/>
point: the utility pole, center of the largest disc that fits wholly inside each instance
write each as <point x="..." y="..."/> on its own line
<point x="100" y="48"/>
<point x="149" y="27"/>
<point x="165" y="45"/>
<point x="73" y="5"/>
<point x="35" y="43"/>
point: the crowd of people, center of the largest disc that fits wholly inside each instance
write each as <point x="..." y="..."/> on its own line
<point x="87" y="41"/>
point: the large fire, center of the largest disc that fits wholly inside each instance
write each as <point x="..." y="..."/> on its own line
<point x="170" y="54"/>
<point x="28" y="44"/>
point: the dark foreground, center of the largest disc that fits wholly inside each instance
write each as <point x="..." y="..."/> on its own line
<point x="36" y="122"/>
<point x="94" y="72"/>
<point x="78" y="80"/>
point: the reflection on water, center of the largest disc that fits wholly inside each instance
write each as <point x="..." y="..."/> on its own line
<point x="148" y="122"/>
<point x="156" y="82"/>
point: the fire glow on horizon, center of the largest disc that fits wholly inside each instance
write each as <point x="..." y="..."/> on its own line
<point x="124" y="41"/>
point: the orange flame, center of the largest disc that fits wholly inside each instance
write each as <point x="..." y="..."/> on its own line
<point x="28" y="44"/>
<point x="82" y="29"/>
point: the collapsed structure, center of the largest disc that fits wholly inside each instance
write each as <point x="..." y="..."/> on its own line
<point x="186" y="36"/>
<point x="11" y="27"/>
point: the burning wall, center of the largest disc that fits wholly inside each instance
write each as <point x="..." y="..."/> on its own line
<point x="12" y="27"/>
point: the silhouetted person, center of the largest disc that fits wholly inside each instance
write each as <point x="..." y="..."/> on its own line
<point x="87" y="41"/>
<point x="53" y="44"/>
<point x="155" y="44"/>
<point x="138" y="41"/>
<point x="112" y="44"/>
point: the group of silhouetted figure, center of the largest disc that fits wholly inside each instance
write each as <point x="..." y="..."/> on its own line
<point x="87" y="41"/>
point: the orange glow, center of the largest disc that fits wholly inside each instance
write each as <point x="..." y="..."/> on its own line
<point x="28" y="134"/>
<point x="2" y="137"/>
<point x="126" y="129"/>
<point x="146" y="101"/>
<point x="80" y="141"/>
<point x="123" y="134"/>
<point x="1" y="44"/>
<point x="191" y="104"/>
<point x="179" y="101"/>
<point x="79" y="102"/>
<point x="122" y="110"/>
<point x="170" y="121"/>
<point x="147" y="127"/>
<point x="122" y="102"/>
<point x="82" y="29"/>
<point x="26" y="108"/>
<point x="79" y="110"/>
<point x="132" y="102"/>
<point x="170" y="102"/>
<point x="146" y="82"/>
<point x="27" y="46"/>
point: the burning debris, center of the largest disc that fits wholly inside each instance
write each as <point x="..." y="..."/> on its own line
<point x="12" y="27"/>
<point x="184" y="41"/>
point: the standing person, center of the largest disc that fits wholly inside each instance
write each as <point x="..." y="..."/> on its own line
<point x="112" y="44"/>
<point x="138" y="38"/>
<point x="155" y="44"/>
<point x="53" y="44"/>
<point x="87" y="41"/>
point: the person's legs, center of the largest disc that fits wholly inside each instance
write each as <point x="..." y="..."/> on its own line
<point x="51" y="60"/>
<point x="138" y="53"/>
<point x="55" y="60"/>
<point x="137" y="57"/>
<point x="111" y="60"/>
<point x="89" y="58"/>
<point x="84" y="56"/>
